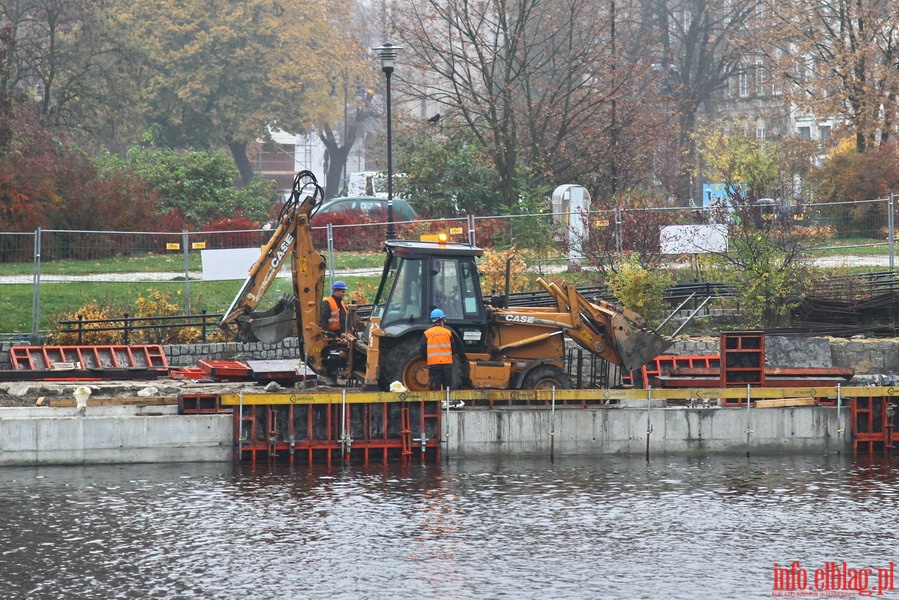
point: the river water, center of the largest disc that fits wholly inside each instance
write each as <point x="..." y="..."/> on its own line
<point x="602" y="527"/>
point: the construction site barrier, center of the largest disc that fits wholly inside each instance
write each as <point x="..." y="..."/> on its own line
<point x="333" y="428"/>
<point x="873" y="421"/>
<point x="363" y="427"/>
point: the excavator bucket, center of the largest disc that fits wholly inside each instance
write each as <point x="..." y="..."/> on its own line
<point x="638" y="347"/>
<point x="268" y="326"/>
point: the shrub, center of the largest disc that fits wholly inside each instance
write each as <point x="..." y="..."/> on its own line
<point x="91" y="311"/>
<point x="493" y="270"/>
<point x="158" y="304"/>
<point x="242" y="228"/>
<point x="640" y="289"/>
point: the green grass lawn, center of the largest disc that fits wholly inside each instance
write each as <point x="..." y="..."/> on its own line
<point x="160" y="263"/>
<point x="852" y="247"/>
<point x="57" y="299"/>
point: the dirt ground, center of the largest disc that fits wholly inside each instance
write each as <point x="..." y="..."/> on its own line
<point x="43" y="393"/>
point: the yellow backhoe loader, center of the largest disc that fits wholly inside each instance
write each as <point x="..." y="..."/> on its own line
<point x="506" y="348"/>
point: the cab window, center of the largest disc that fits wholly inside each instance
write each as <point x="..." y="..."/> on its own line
<point x="446" y="293"/>
<point x="472" y="305"/>
<point x="456" y="289"/>
<point x="403" y="302"/>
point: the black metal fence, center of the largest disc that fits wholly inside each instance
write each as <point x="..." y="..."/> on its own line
<point x="129" y="329"/>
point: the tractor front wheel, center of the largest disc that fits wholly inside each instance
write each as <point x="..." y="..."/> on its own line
<point x="403" y="363"/>
<point x="546" y="377"/>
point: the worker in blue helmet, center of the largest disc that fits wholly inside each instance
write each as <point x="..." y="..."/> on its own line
<point x="333" y="313"/>
<point x="333" y="323"/>
<point x="439" y="345"/>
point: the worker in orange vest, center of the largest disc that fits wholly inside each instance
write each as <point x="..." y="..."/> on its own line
<point x="438" y="345"/>
<point x="333" y="313"/>
<point x="333" y="323"/>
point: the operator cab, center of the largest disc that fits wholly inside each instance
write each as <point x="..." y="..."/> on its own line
<point x="422" y="276"/>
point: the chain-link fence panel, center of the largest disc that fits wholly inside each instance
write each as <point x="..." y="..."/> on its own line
<point x="850" y="234"/>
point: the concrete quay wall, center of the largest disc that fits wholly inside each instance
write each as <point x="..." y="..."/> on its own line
<point x="111" y="435"/>
<point x="124" y="434"/>
<point x="604" y="431"/>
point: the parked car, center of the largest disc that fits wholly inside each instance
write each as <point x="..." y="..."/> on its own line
<point x="369" y="207"/>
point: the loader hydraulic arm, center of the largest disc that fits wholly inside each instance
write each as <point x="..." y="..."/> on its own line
<point x="618" y="335"/>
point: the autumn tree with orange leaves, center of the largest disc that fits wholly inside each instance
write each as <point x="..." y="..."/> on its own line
<point x="223" y="73"/>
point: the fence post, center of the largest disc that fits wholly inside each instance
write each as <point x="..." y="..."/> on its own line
<point x="36" y="286"/>
<point x="186" y="242"/>
<point x="126" y="326"/>
<point x="891" y="228"/>
<point x="203" y="327"/>
<point x="80" y="329"/>
<point x="618" y="243"/>
<point x="329" y="240"/>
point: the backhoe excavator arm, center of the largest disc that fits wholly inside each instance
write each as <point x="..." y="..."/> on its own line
<point x="292" y="236"/>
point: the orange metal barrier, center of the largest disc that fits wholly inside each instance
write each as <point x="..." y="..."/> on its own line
<point x="872" y="424"/>
<point x="664" y="364"/>
<point x="363" y="427"/>
<point x="40" y="358"/>
<point x="194" y="404"/>
<point x="333" y="433"/>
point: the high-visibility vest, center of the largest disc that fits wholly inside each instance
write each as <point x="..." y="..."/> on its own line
<point x="334" y="317"/>
<point x="440" y="345"/>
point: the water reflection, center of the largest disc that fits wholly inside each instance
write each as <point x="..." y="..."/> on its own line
<point x="520" y="528"/>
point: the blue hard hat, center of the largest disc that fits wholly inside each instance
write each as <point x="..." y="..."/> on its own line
<point x="338" y="285"/>
<point x="437" y="314"/>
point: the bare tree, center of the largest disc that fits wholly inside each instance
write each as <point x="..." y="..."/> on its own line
<point x="534" y="80"/>
<point x="840" y="58"/>
<point x="702" y="45"/>
<point x="66" y="56"/>
<point x="18" y="18"/>
<point x="338" y="148"/>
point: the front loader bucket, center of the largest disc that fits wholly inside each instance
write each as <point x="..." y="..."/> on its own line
<point x="268" y="326"/>
<point x="638" y="347"/>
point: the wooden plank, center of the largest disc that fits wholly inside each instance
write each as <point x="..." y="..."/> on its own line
<point x="133" y="401"/>
<point x="740" y="393"/>
<point x="779" y="403"/>
<point x="795" y="373"/>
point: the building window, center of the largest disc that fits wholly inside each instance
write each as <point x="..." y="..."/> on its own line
<point x="823" y="133"/>
<point x="804" y="132"/>
<point x="743" y="83"/>
<point x="760" y="132"/>
<point x="775" y="81"/>
<point x="759" y="78"/>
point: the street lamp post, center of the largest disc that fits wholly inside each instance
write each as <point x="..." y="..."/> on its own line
<point x="387" y="53"/>
<point x="346" y="157"/>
